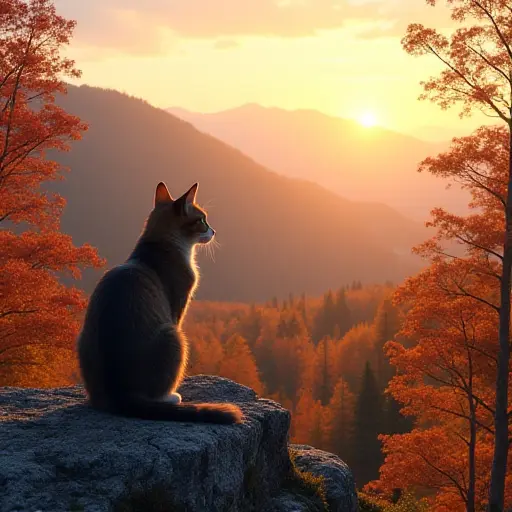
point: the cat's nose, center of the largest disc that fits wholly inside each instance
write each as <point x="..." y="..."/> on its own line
<point x="213" y="232"/>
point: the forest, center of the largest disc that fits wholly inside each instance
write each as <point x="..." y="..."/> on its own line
<point x="408" y="382"/>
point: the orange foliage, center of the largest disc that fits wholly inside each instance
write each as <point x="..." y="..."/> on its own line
<point x="238" y="364"/>
<point x="308" y="421"/>
<point x="447" y="379"/>
<point x="355" y="349"/>
<point x="339" y="419"/>
<point x="37" y="312"/>
<point x="206" y="355"/>
<point x="477" y="57"/>
<point x="436" y="459"/>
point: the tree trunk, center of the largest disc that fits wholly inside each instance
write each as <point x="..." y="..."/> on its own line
<point x="499" y="463"/>
<point x="470" y="506"/>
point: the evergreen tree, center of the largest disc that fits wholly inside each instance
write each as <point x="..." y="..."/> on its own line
<point x="249" y="327"/>
<point x="386" y="326"/>
<point x="291" y="325"/>
<point x="366" y="456"/>
<point x="324" y="385"/>
<point x="343" y="315"/>
<point x="325" y="319"/>
<point x="302" y="307"/>
<point x="395" y="421"/>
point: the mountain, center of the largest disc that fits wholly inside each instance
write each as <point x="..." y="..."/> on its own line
<point x="277" y="234"/>
<point x="370" y="164"/>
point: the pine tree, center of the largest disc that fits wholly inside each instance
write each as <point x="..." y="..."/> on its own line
<point x="386" y="326"/>
<point x="302" y="307"/>
<point x="325" y="319"/>
<point x="395" y="421"/>
<point x="366" y="456"/>
<point x="291" y="325"/>
<point x="343" y="314"/>
<point x="324" y="389"/>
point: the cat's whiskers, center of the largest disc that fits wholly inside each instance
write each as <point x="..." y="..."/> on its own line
<point x="209" y="204"/>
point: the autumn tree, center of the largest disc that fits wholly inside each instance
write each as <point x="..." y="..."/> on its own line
<point x="446" y="382"/>
<point x="324" y="376"/>
<point x="477" y="63"/>
<point x="36" y="311"/>
<point x="295" y="365"/>
<point x="308" y="421"/>
<point x="238" y="364"/>
<point x="291" y="324"/>
<point x="340" y="419"/>
<point x="206" y="353"/>
<point x="356" y="348"/>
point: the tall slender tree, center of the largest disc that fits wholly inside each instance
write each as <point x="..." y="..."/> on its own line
<point x="477" y="74"/>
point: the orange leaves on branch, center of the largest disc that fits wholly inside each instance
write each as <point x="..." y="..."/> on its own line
<point x="447" y="378"/>
<point x="37" y="312"/>
<point x="31" y="72"/>
<point x="434" y="459"/>
<point x="476" y="58"/>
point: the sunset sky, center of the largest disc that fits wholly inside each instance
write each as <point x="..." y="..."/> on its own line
<point x="342" y="57"/>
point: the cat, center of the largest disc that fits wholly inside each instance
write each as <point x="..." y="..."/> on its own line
<point x="131" y="350"/>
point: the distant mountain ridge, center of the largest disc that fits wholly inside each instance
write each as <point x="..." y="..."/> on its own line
<point x="361" y="164"/>
<point x="277" y="234"/>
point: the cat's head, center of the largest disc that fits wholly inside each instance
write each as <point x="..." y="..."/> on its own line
<point x="180" y="220"/>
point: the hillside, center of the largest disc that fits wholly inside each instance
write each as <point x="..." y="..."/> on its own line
<point x="361" y="164"/>
<point x="277" y="234"/>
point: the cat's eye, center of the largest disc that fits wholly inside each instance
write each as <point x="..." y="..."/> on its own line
<point x="203" y="221"/>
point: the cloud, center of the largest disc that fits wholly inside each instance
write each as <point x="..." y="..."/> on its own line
<point x="101" y="25"/>
<point x="128" y="23"/>
<point x="145" y="27"/>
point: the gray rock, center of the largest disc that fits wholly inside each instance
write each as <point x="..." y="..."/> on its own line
<point x="57" y="454"/>
<point x="339" y="483"/>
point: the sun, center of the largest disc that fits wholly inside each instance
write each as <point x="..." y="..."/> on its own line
<point x="367" y="119"/>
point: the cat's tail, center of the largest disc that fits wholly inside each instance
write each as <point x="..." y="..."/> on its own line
<point x="146" y="409"/>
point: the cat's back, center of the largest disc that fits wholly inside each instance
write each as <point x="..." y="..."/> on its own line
<point x="128" y="297"/>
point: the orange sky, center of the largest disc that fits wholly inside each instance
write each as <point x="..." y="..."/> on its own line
<point x="342" y="57"/>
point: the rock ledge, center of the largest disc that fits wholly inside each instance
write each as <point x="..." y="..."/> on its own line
<point x="59" y="455"/>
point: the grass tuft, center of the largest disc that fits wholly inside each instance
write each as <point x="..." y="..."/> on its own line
<point x="309" y="487"/>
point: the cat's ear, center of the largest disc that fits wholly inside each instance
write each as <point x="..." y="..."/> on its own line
<point x="162" y="194"/>
<point x="190" y="196"/>
<point x="185" y="202"/>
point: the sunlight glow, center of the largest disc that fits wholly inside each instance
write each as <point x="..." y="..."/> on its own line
<point x="368" y="119"/>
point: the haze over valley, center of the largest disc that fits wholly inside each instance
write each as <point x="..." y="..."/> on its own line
<point x="358" y="162"/>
